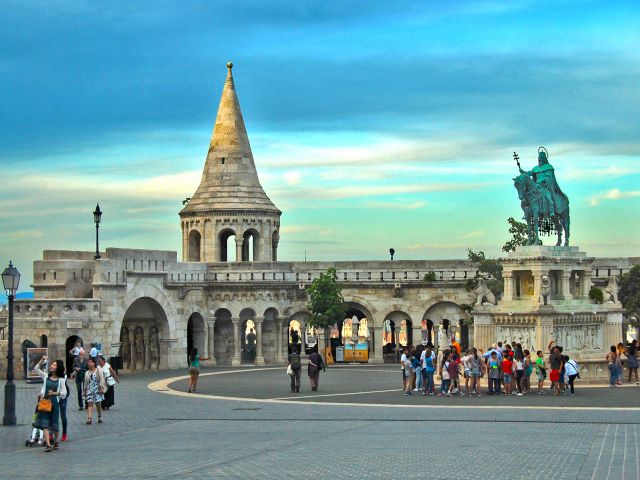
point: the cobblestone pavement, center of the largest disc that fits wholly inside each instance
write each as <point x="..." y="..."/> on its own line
<point x="150" y="434"/>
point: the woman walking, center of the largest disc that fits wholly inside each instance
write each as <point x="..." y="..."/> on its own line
<point x="111" y="378"/>
<point x="94" y="388"/>
<point x="52" y="389"/>
<point x="315" y="365"/>
<point x="619" y="364"/>
<point x="611" y="358"/>
<point x="194" y="369"/>
<point x="632" y="360"/>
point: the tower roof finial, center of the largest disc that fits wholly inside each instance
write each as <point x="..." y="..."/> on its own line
<point x="229" y="66"/>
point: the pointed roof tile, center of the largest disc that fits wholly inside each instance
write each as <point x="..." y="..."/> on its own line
<point x="229" y="179"/>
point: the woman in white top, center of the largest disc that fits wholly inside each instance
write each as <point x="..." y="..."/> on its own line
<point x="111" y="378"/>
<point x="571" y="371"/>
<point x="53" y="387"/>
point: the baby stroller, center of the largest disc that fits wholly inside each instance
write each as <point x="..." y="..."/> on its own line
<point x="37" y="435"/>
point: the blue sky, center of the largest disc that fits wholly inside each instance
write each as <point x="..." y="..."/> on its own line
<point x="373" y="124"/>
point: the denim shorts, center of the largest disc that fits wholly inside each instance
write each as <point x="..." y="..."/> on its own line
<point x="507" y="378"/>
<point x="475" y="373"/>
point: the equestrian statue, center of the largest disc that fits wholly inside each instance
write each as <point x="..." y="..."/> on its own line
<point x="545" y="207"/>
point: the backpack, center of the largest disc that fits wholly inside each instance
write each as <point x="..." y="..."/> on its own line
<point x="528" y="368"/>
<point x="295" y="362"/>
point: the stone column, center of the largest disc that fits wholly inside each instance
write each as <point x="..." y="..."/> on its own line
<point x="133" y="361"/>
<point x="147" y="350"/>
<point x="537" y="287"/>
<point x="586" y="283"/>
<point x="236" y="341"/>
<point x="508" y="287"/>
<point x="259" y="357"/>
<point x="544" y="331"/>
<point x="376" y="344"/>
<point x="279" y="356"/>
<point x="211" y="324"/>
<point x="565" y="286"/>
<point x="239" y="242"/>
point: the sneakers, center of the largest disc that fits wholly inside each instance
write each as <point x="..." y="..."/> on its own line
<point x="64" y="437"/>
<point x="415" y="390"/>
<point x="519" y="394"/>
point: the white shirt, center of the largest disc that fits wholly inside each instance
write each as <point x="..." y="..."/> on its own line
<point x="571" y="368"/>
<point x="403" y="359"/>
<point x="93" y="352"/>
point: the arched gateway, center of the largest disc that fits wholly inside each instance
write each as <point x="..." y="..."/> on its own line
<point x="143" y="326"/>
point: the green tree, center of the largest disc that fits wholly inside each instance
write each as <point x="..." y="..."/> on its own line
<point x="429" y="277"/>
<point x="326" y="304"/>
<point x="518" y="231"/>
<point x="629" y="294"/>
<point x="487" y="267"/>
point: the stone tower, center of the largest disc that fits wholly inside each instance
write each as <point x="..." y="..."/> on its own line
<point x="230" y="201"/>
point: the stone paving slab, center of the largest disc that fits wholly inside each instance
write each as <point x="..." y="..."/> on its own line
<point x="157" y="435"/>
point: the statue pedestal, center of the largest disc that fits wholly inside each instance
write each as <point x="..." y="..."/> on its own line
<point x="546" y="296"/>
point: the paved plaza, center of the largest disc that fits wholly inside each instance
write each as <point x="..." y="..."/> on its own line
<point x="244" y="423"/>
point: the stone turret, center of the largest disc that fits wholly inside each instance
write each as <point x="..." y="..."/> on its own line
<point x="230" y="201"/>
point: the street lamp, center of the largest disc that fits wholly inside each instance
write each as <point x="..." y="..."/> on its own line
<point x="10" y="280"/>
<point x="97" y="215"/>
<point x="392" y="252"/>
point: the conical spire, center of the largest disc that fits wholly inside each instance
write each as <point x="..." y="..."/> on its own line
<point x="229" y="180"/>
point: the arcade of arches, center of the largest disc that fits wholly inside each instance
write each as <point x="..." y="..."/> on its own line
<point x="250" y="338"/>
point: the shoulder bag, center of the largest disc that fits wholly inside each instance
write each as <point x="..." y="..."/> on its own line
<point x="44" y="405"/>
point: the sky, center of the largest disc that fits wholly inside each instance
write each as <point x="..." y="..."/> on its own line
<point x="373" y="124"/>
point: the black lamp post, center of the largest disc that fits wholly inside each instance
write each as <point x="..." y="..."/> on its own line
<point x="10" y="280"/>
<point x="392" y="252"/>
<point x="97" y="215"/>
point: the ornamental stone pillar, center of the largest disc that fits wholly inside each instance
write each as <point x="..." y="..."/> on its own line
<point x="132" y="347"/>
<point x="211" y="324"/>
<point x="147" y="350"/>
<point x="239" y="243"/>
<point x="586" y="283"/>
<point x="508" y="287"/>
<point x="544" y="331"/>
<point x="565" y="286"/>
<point x="236" y="341"/>
<point x="259" y="357"/>
<point x="537" y="286"/>
<point x="279" y="335"/>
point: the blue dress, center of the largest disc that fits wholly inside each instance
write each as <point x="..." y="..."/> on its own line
<point x="49" y="419"/>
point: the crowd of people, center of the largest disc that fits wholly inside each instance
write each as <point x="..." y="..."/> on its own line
<point x="508" y="369"/>
<point x="95" y="384"/>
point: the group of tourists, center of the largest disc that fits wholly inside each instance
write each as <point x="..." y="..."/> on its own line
<point x="508" y="369"/>
<point x="95" y="384"/>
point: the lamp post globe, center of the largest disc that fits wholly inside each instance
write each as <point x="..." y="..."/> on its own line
<point x="10" y="282"/>
<point x="97" y="216"/>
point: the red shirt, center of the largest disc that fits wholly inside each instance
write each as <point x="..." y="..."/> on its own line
<point x="507" y="366"/>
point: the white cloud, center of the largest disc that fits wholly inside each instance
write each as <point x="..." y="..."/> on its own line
<point x="396" y="205"/>
<point x="613" y="194"/>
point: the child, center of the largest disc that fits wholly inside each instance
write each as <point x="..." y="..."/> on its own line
<point x="407" y="375"/>
<point x="519" y="369"/>
<point x="494" y="374"/>
<point x="507" y="374"/>
<point x="37" y="436"/>
<point x="541" y="372"/>
<point x="528" y="370"/>
<point x="444" y="374"/>
<point x="416" y="366"/>
<point x="454" y="372"/>
<point x="571" y="372"/>
<point x="428" y="369"/>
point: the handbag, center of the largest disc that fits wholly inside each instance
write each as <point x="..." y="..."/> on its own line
<point x="111" y="381"/>
<point x="44" y="405"/>
<point x="289" y="370"/>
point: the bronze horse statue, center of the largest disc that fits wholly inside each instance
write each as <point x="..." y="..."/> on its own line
<point x="542" y="209"/>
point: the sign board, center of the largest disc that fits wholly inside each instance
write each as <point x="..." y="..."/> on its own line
<point x="33" y="356"/>
<point x="74" y="325"/>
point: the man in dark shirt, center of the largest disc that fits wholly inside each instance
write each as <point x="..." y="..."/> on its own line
<point x="79" y="369"/>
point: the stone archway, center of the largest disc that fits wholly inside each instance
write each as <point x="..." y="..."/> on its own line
<point x="194" y="246"/>
<point x="446" y="318"/>
<point x="145" y="323"/>
<point x="251" y="245"/>
<point x="196" y="335"/>
<point x="223" y="248"/>
<point x="397" y="333"/>
<point x="248" y="336"/>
